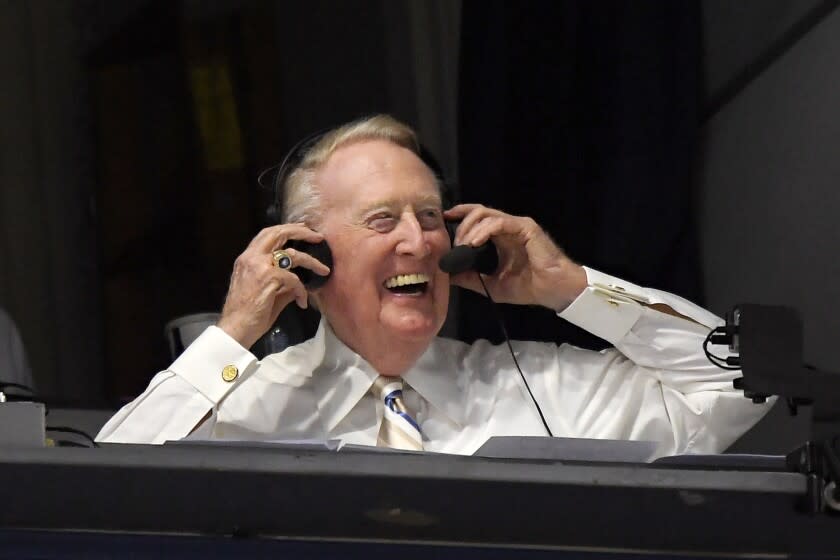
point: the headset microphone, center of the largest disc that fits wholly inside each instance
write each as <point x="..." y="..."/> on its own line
<point x="483" y="259"/>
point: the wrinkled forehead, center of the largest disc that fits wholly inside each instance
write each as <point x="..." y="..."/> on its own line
<point x="372" y="172"/>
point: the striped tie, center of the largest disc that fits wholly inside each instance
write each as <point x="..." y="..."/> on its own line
<point x="398" y="429"/>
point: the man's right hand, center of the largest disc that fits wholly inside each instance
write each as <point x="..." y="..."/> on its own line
<point x="258" y="290"/>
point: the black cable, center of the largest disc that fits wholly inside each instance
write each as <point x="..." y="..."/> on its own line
<point x="717" y="360"/>
<point x="501" y="321"/>
<point x="66" y="430"/>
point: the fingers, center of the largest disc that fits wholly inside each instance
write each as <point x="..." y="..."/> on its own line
<point x="287" y="287"/>
<point x="458" y="211"/>
<point x="256" y="283"/>
<point x="300" y="258"/>
<point x="481" y="223"/>
<point x="273" y="237"/>
<point x="469" y="214"/>
<point x="276" y="237"/>
<point x="280" y="304"/>
<point x="484" y="230"/>
<point x="259" y="290"/>
<point x="277" y="289"/>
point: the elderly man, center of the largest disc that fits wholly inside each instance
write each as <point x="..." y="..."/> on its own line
<point x="377" y="374"/>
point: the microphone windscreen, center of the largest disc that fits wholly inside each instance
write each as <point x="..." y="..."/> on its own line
<point x="462" y="258"/>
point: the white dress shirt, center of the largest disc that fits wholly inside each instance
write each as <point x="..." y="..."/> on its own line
<point x="656" y="384"/>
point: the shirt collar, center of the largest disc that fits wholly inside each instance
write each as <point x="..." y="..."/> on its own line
<point x="343" y="378"/>
<point x="435" y="376"/>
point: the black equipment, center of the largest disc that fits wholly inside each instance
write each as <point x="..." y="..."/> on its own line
<point x="461" y="258"/>
<point x="767" y="341"/>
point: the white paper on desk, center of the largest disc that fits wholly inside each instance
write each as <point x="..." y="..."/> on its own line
<point x="568" y="449"/>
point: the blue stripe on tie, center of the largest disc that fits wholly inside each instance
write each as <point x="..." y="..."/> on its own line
<point x="409" y="419"/>
<point x="389" y="402"/>
<point x="389" y="398"/>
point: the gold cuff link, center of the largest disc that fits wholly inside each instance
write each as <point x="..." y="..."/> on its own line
<point x="229" y="373"/>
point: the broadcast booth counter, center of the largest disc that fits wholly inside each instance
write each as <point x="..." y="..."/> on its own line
<point x="311" y="501"/>
<point x="515" y="497"/>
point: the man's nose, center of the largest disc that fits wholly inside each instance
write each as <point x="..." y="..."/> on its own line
<point x="412" y="238"/>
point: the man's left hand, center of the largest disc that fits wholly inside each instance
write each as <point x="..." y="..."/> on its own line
<point x="533" y="270"/>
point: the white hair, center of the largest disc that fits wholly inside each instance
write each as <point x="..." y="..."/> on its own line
<point x="301" y="197"/>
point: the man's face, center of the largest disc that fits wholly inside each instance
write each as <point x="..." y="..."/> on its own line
<point x="382" y="219"/>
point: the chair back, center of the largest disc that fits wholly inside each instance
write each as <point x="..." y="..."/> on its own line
<point x="182" y="331"/>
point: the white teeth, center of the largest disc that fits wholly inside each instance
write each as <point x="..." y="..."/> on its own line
<point x="405" y="279"/>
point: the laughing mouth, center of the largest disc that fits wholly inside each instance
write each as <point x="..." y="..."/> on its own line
<point x="412" y="284"/>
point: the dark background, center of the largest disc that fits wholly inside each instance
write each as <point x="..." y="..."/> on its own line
<point x="688" y="146"/>
<point x="589" y="112"/>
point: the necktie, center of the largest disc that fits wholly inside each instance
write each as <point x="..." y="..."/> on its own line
<point x="398" y="429"/>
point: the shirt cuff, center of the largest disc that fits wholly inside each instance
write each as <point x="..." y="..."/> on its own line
<point x="608" y="307"/>
<point x="214" y="364"/>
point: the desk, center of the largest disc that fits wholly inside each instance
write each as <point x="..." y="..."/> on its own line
<point x="264" y="496"/>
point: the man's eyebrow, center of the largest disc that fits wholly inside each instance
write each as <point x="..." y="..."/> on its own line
<point x="378" y="205"/>
<point x="391" y="203"/>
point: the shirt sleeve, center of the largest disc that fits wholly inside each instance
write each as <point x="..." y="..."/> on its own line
<point x="177" y="399"/>
<point x="656" y="384"/>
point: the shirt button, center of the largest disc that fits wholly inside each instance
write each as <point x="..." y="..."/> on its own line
<point x="230" y="373"/>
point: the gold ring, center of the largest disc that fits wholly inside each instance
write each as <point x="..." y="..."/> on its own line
<point x="281" y="259"/>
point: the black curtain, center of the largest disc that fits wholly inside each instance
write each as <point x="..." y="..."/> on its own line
<point x="584" y="116"/>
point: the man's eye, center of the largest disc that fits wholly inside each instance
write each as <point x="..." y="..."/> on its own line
<point x="382" y="223"/>
<point x="430" y="219"/>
